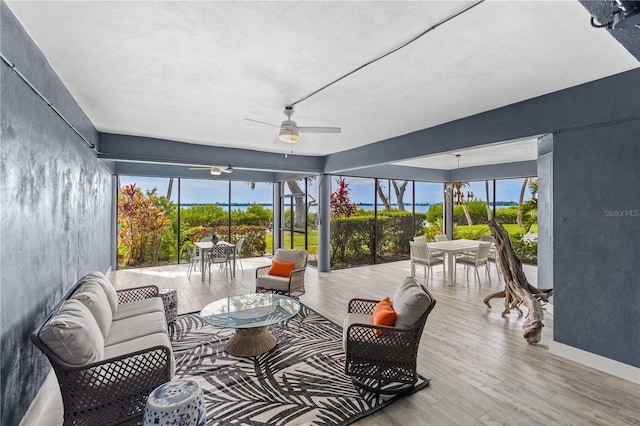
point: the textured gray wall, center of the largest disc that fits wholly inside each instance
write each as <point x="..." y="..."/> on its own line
<point x="596" y="240"/>
<point x="56" y="201"/>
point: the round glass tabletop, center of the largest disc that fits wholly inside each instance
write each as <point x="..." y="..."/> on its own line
<point x="250" y="310"/>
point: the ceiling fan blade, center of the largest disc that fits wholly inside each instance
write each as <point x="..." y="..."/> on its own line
<point x="199" y="168"/>
<point x="307" y="129"/>
<point x="262" y="122"/>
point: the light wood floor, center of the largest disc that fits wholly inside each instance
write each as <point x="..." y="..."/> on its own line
<point x="482" y="370"/>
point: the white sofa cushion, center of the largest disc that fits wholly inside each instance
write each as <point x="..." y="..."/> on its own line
<point x="107" y="287"/>
<point x="273" y="282"/>
<point x="73" y="334"/>
<point x="139" y="307"/>
<point x="93" y="297"/>
<point x="140" y="344"/>
<point x="409" y="302"/>
<point x="137" y="326"/>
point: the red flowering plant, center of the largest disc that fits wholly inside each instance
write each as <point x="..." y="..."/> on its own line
<point x="341" y="205"/>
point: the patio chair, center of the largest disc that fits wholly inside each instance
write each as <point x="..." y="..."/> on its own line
<point x="383" y="359"/>
<point x="493" y="254"/>
<point x="219" y="255"/>
<point x="441" y="237"/>
<point x="291" y="285"/>
<point x="194" y="259"/>
<point x="239" y="244"/>
<point x="423" y="240"/>
<point x="480" y="258"/>
<point x="420" y="255"/>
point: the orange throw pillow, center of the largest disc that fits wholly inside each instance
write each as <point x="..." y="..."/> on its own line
<point x="282" y="269"/>
<point x="383" y="314"/>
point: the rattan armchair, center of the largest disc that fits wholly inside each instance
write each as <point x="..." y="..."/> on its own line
<point x="293" y="285"/>
<point x="382" y="359"/>
<point x="113" y="390"/>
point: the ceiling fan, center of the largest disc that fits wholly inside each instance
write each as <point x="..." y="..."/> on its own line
<point x="290" y="131"/>
<point x="214" y="170"/>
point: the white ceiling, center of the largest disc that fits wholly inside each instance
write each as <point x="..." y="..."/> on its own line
<point x="498" y="153"/>
<point x="193" y="71"/>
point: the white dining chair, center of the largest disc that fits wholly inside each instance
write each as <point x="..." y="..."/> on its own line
<point x="441" y="237"/>
<point x="480" y="258"/>
<point x="194" y="259"/>
<point x="420" y="255"/>
<point x="238" y="252"/>
<point x="493" y="254"/>
<point x="423" y="240"/>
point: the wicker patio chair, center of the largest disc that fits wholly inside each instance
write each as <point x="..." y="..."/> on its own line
<point x="110" y="391"/>
<point x="293" y="285"/>
<point x="383" y="359"/>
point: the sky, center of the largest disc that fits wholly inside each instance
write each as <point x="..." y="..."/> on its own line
<point x="361" y="190"/>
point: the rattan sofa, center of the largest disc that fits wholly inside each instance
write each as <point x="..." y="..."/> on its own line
<point x="108" y="349"/>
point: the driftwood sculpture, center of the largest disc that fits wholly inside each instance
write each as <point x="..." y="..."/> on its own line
<point x="517" y="289"/>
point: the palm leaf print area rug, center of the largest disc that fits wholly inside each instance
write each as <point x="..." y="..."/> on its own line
<point x="299" y="382"/>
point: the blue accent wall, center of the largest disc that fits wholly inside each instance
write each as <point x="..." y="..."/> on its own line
<point x="56" y="204"/>
<point x="596" y="240"/>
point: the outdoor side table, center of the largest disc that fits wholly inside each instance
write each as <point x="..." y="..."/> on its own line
<point x="178" y="402"/>
<point x="170" y="300"/>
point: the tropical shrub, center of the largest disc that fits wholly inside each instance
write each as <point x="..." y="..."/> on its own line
<point x="142" y="220"/>
<point x="527" y="251"/>
<point x="204" y="215"/>
<point x="507" y="214"/>
<point x="255" y="215"/>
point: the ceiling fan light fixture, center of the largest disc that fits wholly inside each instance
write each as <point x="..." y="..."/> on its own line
<point x="215" y="172"/>
<point x="288" y="135"/>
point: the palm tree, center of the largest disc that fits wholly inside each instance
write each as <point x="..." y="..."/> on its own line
<point x="458" y="198"/>
<point x="521" y="201"/>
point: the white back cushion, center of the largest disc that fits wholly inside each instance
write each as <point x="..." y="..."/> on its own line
<point x="299" y="257"/>
<point x="108" y="288"/>
<point x="93" y="297"/>
<point x="409" y="302"/>
<point x="73" y="334"/>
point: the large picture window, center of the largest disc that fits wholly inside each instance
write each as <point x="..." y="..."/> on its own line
<point x="159" y="217"/>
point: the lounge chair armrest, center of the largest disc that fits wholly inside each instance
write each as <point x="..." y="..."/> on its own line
<point x="262" y="270"/>
<point x="138" y="293"/>
<point x="297" y="273"/>
<point x="380" y="335"/>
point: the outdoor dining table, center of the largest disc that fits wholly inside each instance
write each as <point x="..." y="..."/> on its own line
<point x="450" y="249"/>
<point x="206" y="246"/>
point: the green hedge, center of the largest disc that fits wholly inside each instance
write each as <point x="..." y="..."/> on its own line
<point x="478" y="212"/>
<point x="254" y="243"/>
<point x="353" y="240"/>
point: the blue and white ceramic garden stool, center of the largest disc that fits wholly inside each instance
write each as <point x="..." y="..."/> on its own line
<point x="170" y="301"/>
<point x="179" y="402"/>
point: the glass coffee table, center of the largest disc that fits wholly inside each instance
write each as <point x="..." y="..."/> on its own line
<point x="250" y="315"/>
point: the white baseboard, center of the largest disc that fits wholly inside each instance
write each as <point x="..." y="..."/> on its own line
<point x="615" y="368"/>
